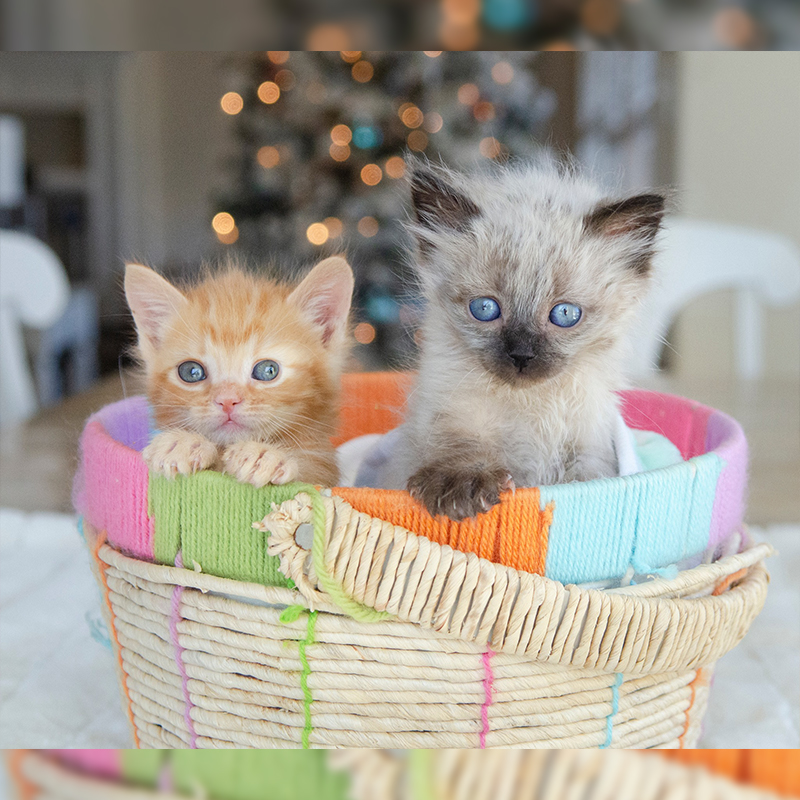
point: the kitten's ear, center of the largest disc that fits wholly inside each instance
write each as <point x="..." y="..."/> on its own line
<point x="153" y="301"/>
<point x="636" y="219"/>
<point x="325" y="295"/>
<point x="439" y="205"/>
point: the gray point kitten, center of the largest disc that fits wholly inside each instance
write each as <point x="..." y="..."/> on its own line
<point x="532" y="277"/>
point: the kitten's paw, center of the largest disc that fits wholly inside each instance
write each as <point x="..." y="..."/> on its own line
<point x="459" y="492"/>
<point x="179" y="452"/>
<point x="259" y="464"/>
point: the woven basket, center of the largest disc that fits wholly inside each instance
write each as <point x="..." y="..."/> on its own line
<point x="378" y="637"/>
<point x="442" y="775"/>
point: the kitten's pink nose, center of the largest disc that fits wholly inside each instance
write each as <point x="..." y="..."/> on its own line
<point x="227" y="401"/>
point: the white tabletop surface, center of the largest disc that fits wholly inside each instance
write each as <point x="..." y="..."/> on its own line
<point x="58" y="685"/>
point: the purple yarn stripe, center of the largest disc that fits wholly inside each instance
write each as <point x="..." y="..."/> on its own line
<point x="174" y="618"/>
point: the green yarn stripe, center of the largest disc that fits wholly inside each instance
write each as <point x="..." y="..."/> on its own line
<point x="307" y="697"/>
<point x="209" y="517"/>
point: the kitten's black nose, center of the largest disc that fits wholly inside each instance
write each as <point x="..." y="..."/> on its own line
<point x="520" y="359"/>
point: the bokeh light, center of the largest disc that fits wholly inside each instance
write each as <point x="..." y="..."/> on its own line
<point x="231" y="103"/>
<point x="468" y="94"/>
<point x="341" y="134"/>
<point x="368" y="227"/>
<point x="735" y="28"/>
<point x="600" y="17"/>
<point x="412" y="117"/>
<point x="461" y="11"/>
<point x="483" y="111"/>
<point x="417" y="140"/>
<point x="371" y="174"/>
<point x="458" y="36"/>
<point x="334" y="226"/>
<point x="502" y="73"/>
<point x="490" y="147"/>
<point x="432" y="53"/>
<point x="366" y="137"/>
<point x="433" y="122"/>
<point x="285" y="79"/>
<point x="269" y="92"/>
<point x="350" y="56"/>
<point x="268" y="156"/>
<point x="223" y="223"/>
<point x="339" y="152"/>
<point x="363" y="71"/>
<point x="327" y="36"/>
<point x="317" y="233"/>
<point x="395" y="167"/>
<point x="230" y="237"/>
<point x="364" y="333"/>
<point x="278" y="56"/>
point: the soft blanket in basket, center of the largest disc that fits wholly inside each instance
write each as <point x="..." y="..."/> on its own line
<point x="601" y="532"/>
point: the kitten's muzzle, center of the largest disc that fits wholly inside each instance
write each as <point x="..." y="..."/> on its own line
<point x="529" y="353"/>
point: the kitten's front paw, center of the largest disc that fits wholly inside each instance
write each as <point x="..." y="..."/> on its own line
<point x="259" y="464"/>
<point x="179" y="452"/>
<point x="459" y="492"/>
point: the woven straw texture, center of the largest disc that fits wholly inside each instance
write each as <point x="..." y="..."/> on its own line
<point x="210" y="662"/>
<point x="447" y="775"/>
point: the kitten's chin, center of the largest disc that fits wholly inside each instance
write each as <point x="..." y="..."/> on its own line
<point x="525" y="378"/>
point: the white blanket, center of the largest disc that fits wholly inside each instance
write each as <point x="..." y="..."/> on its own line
<point x="58" y="686"/>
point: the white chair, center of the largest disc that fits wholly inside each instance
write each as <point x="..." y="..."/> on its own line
<point x="34" y="291"/>
<point x="696" y="258"/>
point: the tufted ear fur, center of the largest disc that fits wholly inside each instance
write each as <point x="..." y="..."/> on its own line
<point x="635" y="219"/>
<point x="437" y="204"/>
<point x="153" y="302"/>
<point x="325" y="295"/>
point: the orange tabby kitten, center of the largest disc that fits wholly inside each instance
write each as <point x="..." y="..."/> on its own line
<point x="243" y="372"/>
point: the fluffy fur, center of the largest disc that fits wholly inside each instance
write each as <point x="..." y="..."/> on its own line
<point x="519" y="401"/>
<point x="258" y="431"/>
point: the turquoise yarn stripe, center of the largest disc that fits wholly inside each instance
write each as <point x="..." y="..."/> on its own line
<point x="307" y="698"/>
<point x="614" y="710"/>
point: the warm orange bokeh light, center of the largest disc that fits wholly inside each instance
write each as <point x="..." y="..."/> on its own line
<point x="364" y="333"/>
<point x="502" y="72"/>
<point x="229" y="238"/>
<point x="232" y="103"/>
<point x="368" y="227"/>
<point x="483" y="111"/>
<point x="371" y="174"/>
<point x="417" y="140"/>
<point x="341" y="134"/>
<point x="734" y="27"/>
<point x="490" y="147"/>
<point x="327" y="36"/>
<point x="432" y="53"/>
<point x="268" y="157"/>
<point x="600" y="17"/>
<point x="461" y="12"/>
<point x="412" y="117"/>
<point x="334" y="226"/>
<point x="433" y="122"/>
<point x="339" y="152"/>
<point x="269" y="92"/>
<point x="223" y="223"/>
<point x="317" y="233"/>
<point x="285" y="79"/>
<point x="362" y="71"/>
<point x="350" y="56"/>
<point x="468" y="94"/>
<point x="395" y="167"/>
<point x="278" y="56"/>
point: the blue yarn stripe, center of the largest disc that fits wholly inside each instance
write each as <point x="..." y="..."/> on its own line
<point x="614" y="709"/>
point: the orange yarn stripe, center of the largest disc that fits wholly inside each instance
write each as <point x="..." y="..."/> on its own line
<point x="775" y="770"/>
<point x="726" y="582"/>
<point x="513" y="533"/>
<point x="25" y="789"/>
<point x="693" y="687"/>
<point x="101" y="537"/>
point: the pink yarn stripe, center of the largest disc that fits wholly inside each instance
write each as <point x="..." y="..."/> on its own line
<point x="174" y="617"/>
<point x="488" y="689"/>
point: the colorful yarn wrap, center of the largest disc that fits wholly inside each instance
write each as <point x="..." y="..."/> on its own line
<point x="574" y="533"/>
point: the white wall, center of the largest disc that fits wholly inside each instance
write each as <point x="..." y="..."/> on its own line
<point x="738" y="161"/>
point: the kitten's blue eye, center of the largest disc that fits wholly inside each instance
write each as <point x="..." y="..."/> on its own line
<point x="484" y="308"/>
<point x="266" y="370"/>
<point x="565" y="315"/>
<point x="191" y="372"/>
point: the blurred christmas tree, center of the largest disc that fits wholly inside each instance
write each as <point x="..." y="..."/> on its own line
<point x="324" y="138"/>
